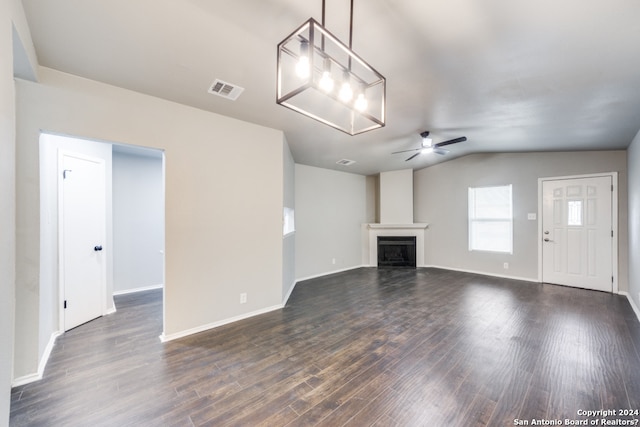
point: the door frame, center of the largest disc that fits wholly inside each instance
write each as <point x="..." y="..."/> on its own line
<point x="614" y="220"/>
<point x="61" y="284"/>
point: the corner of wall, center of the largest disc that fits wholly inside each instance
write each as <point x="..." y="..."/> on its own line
<point x="25" y="60"/>
<point x="633" y="189"/>
<point x="288" y="241"/>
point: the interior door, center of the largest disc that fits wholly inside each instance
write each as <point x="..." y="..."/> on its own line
<point x="82" y="234"/>
<point x="577" y="240"/>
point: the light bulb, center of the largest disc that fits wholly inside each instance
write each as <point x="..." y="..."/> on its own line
<point x="302" y="67"/>
<point x="427" y="150"/>
<point x="361" y="102"/>
<point x="326" y="82"/>
<point x="346" y="93"/>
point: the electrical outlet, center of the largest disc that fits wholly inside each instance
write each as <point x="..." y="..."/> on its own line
<point x="243" y="298"/>
<point x="506" y="265"/>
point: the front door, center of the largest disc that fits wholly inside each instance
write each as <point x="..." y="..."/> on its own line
<point x="577" y="239"/>
<point x="82" y="234"/>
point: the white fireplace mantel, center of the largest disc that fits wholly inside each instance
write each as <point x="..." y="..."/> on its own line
<point x="416" y="229"/>
<point x="398" y="226"/>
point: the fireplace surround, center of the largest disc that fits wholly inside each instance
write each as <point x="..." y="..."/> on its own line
<point x="374" y="230"/>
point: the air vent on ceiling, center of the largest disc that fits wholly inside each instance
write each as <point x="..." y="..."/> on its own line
<point x="225" y="90"/>
<point x="345" y="162"/>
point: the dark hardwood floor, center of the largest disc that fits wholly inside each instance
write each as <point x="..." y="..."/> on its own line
<point x="423" y="347"/>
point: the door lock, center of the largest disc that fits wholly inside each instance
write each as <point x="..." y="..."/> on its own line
<point x="97" y="248"/>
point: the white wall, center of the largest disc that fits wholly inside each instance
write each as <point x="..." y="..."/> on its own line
<point x="441" y="201"/>
<point x="288" y="241"/>
<point x="396" y="197"/>
<point x="633" y="161"/>
<point x="7" y="208"/>
<point x="138" y="220"/>
<point x="331" y="207"/>
<point x="17" y="56"/>
<point x="372" y="199"/>
<point x="223" y="219"/>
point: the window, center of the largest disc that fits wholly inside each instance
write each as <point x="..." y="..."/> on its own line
<point x="574" y="212"/>
<point x="288" y="221"/>
<point x="491" y="219"/>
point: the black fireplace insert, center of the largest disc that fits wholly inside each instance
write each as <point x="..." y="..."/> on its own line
<point x="396" y="252"/>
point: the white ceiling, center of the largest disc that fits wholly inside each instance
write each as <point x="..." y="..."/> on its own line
<point x="508" y="74"/>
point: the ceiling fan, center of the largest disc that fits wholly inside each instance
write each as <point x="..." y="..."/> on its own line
<point x="429" y="147"/>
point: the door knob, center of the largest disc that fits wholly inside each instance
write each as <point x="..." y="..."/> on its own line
<point x="97" y="248"/>
<point x="546" y="239"/>
<point x="546" y="232"/>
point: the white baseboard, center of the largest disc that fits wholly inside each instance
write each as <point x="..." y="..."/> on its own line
<point x="131" y="291"/>
<point x="47" y="351"/>
<point x="635" y="308"/>
<point x="170" y="337"/>
<point x="284" y="302"/>
<point x="27" y="379"/>
<point x="286" y="298"/>
<point x="315" y="276"/>
<point x="41" y="366"/>
<point x="141" y="289"/>
<point x="484" y="273"/>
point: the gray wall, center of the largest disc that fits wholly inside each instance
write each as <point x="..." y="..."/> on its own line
<point x="440" y="195"/>
<point x="633" y="159"/>
<point x="331" y="207"/>
<point x="222" y="221"/>
<point x="138" y="220"/>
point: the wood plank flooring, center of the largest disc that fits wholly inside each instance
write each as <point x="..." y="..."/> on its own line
<point x="367" y="347"/>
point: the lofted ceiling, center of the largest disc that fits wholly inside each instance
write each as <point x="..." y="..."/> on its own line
<point x="509" y="75"/>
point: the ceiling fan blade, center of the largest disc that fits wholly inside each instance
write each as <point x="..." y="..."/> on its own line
<point x="451" y="141"/>
<point x="440" y="151"/>
<point x="417" y="154"/>
<point x="406" y="151"/>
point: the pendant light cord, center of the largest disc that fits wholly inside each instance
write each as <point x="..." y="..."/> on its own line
<point x="323" y="26"/>
<point x="350" y="27"/>
<point x="350" y="32"/>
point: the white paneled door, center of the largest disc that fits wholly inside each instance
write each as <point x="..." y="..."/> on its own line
<point x="82" y="234"/>
<point x="577" y="232"/>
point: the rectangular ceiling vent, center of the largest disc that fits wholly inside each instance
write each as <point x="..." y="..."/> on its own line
<point x="345" y="162"/>
<point x="225" y="90"/>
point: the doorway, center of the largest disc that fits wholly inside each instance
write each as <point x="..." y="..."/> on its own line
<point x="51" y="294"/>
<point x="578" y="231"/>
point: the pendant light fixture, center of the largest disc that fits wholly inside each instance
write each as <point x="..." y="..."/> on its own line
<point x="322" y="78"/>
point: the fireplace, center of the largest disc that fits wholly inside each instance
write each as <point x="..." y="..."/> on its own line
<point x="396" y="252"/>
